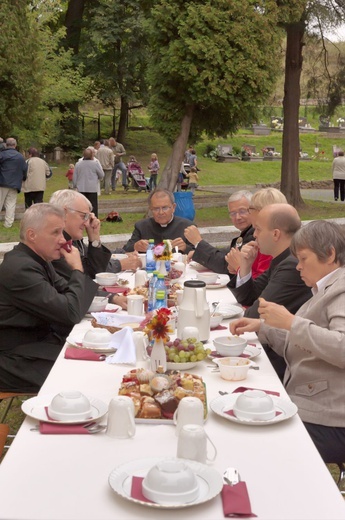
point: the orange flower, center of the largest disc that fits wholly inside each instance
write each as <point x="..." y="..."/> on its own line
<point x="158" y="324"/>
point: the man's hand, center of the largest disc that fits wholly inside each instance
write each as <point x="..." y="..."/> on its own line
<point x="133" y="262"/>
<point x="93" y="228"/>
<point x="192" y="234"/>
<point x="275" y="315"/>
<point x="72" y="258"/>
<point x="243" y="325"/>
<point x="141" y="246"/>
<point x="179" y="243"/>
<point x="120" y="299"/>
<point x="190" y="256"/>
<point x="233" y="260"/>
<point x="247" y="256"/>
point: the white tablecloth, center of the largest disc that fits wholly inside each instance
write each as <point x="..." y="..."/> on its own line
<point x="65" y="477"/>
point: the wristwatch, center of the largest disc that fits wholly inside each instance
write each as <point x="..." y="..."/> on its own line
<point x="96" y="243"/>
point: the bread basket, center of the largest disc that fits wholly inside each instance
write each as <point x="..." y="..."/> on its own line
<point x="111" y="329"/>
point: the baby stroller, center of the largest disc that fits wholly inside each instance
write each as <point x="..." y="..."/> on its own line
<point x="136" y="174"/>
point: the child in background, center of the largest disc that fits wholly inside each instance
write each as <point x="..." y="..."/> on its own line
<point x="69" y="176"/>
<point x="153" y="169"/>
<point x="193" y="179"/>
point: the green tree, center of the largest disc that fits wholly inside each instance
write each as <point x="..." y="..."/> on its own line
<point x="212" y="64"/>
<point x="115" y="55"/>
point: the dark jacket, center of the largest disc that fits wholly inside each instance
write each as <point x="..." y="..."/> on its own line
<point x="213" y="258"/>
<point x="13" y="169"/>
<point x="148" y="228"/>
<point x="281" y="284"/>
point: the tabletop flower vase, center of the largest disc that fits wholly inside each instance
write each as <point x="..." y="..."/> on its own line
<point x="157" y="328"/>
<point x="158" y="356"/>
<point x="163" y="255"/>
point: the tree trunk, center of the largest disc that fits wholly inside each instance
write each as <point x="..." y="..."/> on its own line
<point x="293" y="68"/>
<point x="173" y="165"/>
<point x="121" y="132"/>
<point x="73" y="23"/>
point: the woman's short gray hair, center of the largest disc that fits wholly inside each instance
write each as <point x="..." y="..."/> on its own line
<point x="238" y="195"/>
<point x="35" y="217"/>
<point x="321" y="237"/>
<point x="65" y="198"/>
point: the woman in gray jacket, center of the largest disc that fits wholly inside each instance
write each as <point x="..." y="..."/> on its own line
<point x="86" y="176"/>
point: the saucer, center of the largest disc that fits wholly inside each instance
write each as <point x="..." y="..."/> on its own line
<point x="250" y="352"/>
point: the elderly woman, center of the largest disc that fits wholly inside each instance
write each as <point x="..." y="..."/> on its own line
<point x="313" y="341"/>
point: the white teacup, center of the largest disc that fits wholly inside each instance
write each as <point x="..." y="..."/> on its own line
<point x="121" y="423"/>
<point x="192" y="444"/>
<point x="140" y="278"/>
<point x="135" y="304"/>
<point x="189" y="411"/>
<point x="190" y="332"/>
<point x="180" y="266"/>
<point x="142" y="257"/>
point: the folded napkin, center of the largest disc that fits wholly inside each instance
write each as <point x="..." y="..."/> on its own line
<point x="236" y="501"/>
<point x="57" y="429"/>
<point x="244" y="388"/>
<point x="124" y="343"/>
<point x="116" y="320"/>
<point x="116" y="290"/>
<point x="83" y="354"/>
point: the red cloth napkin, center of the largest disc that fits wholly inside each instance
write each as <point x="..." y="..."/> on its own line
<point x="244" y="388"/>
<point x="62" y="428"/>
<point x="236" y="501"/>
<point x="220" y="327"/>
<point x="116" y="290"/>
<point x="136" y="489"/>
<point x="83" y="354"/>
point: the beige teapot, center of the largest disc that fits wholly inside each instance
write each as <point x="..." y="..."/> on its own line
<point x="194" y="310"/>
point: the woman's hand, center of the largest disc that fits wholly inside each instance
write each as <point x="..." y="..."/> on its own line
<point x="243" y="325"/>
<point x="275" y="315"/>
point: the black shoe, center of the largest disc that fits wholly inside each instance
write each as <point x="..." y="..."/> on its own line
<point x="335" y="198"/>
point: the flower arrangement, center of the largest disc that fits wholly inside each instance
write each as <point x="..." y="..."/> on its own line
<point x="163" y="251"/>
<point x="156" y="325"/>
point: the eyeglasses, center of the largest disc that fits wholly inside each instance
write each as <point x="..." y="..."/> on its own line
<point x="251" y="208"/>
<point x="240" y="212"/>
<point x="164" y="209"/>
<point x="85" y="216"/>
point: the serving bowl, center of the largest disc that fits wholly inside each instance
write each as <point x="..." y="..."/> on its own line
<point x="170" y="481"/>
<point x="233" y="368"/>
<point x="208" y="278"/>
<point x="68" y="406"/>
<point x="230" y="345"/>
<point x="215" y="320"/>
<point x="254" y="405"/>
<point x="97" y="338"/>
<point x="106" y="278"/>
<point x="98" y="304"/>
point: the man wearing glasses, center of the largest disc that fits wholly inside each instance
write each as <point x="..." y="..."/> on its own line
<point x="163" y="225"/>
<point x="213" y="258"/>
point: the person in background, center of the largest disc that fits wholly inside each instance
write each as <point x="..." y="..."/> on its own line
<point x="193" y="159"/>
<point x="69" y="175"/>
<point x="2" y="145"/>
<point x="181" y="176"/>
<point x="13" y="170"/>
<point x="36" y="301"/>
<point x="118" y="151"/>
<point x="35" y="184"/>
<point x="313" y="340"/>
<point x="86" y="176"/>
<point x="153" y="169"/>
<point x="106" y="158"/>
<point x="338" y="172"/>
<point x="161" y="226"/>
<point x="193" y="179"/>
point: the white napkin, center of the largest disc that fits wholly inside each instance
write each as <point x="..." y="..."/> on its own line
<point x="124" y="343"/>
<point x="115" y="320"/>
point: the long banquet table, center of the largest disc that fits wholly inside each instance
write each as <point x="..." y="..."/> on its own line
<point x="65" y="477"/>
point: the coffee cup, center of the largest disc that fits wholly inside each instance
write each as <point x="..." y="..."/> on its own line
<point x="142" y="257"/>
<point x="140" y="278"/>
<point x="190" y="332"/>
<point x="179" y="296"/>
<point x="135" y="304"/>
<point x="192" y="444"/>
<point x="189" y="411"/>
<point x="141" y="343"/>
<point x="121" y="423"/>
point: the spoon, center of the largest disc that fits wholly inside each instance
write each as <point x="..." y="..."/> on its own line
<point x="231" y="476"/>
<point x="239" y="243"/>
<point x="215" y="307"/>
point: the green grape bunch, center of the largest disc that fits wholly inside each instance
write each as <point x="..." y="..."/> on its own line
<point x="185" y="351"/>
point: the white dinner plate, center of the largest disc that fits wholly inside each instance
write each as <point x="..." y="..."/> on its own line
<point x="221" y="282"/>
<point x="285" y="408"/>
<point x="209" y="480"/>
<point x="198" y="267"/>
<point x="251" y="351"/>
<point x="229" y="310"/>
<point x="78" y="344"/>
<point x="35" y="408"/>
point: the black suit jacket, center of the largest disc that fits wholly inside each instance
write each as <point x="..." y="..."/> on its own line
<point x="214" y="258"/>
<point x="281" y="284"/>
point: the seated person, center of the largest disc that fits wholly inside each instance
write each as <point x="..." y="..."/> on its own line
<point x="36" y="301"/>
<point x="313" y="340"/>
<point x="213" y="258"/>
<point x="96" y="258"/>
<point x="163" y="225"/>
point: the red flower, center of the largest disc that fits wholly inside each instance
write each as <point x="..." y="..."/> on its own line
<point x="157" y="325"/>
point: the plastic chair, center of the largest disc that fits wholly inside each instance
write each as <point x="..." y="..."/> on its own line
<point x="10" y="396"/>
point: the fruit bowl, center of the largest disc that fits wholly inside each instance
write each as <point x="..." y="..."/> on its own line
<point x="185" y="354"/>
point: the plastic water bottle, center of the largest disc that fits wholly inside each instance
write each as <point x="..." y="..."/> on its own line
<point x="160" y="287"/>
<point x="152" y="292"/>
<point x="160" y="299"/>
<point x="150" y="260"/>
